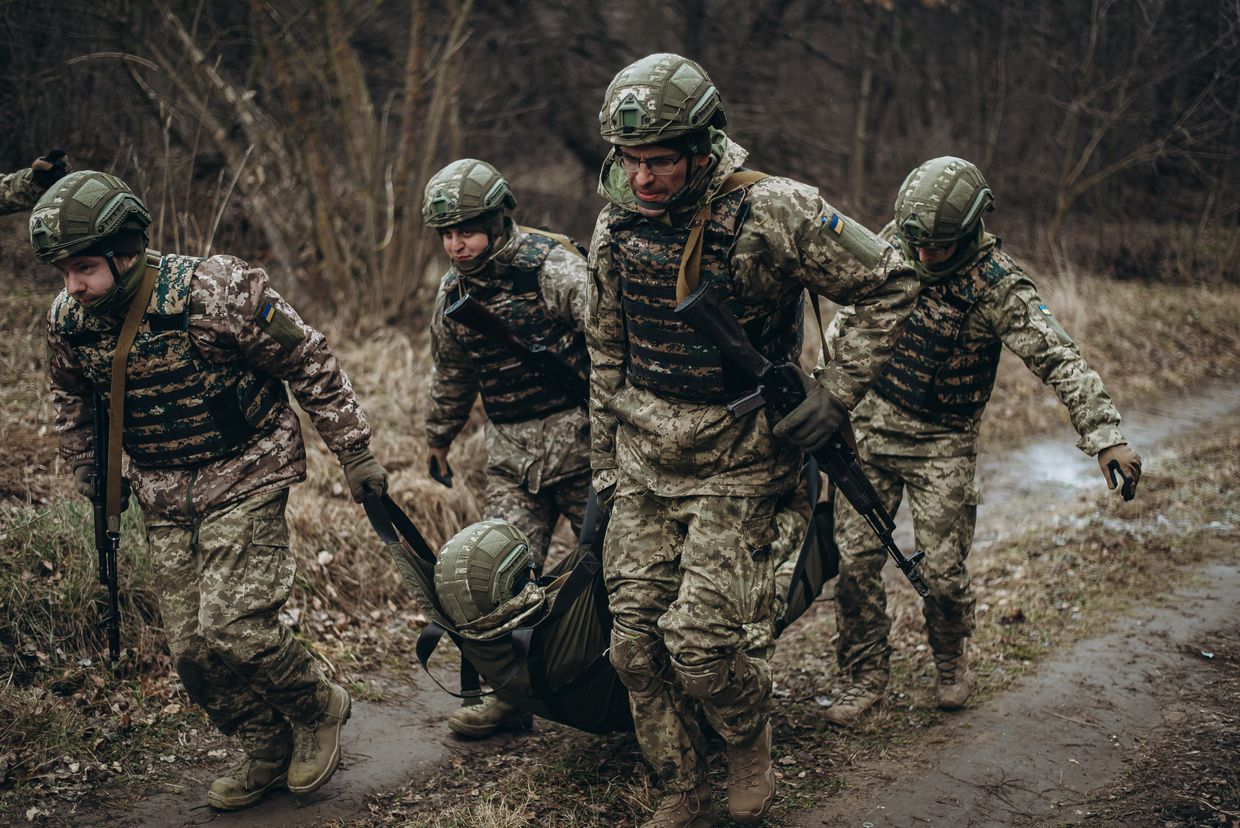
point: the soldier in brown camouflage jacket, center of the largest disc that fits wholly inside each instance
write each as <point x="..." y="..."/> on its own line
<point x="213" y="446"/>
<point x="917" y="428"/>
<point x="537" y="430"/>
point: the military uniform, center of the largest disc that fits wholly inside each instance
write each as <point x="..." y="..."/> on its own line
<point x="214" y="446"/>
<point x="917" y="429"/>
<point x="18" y="191"/>
<point x="536" y="435"/>
<point x="687" y="557"/>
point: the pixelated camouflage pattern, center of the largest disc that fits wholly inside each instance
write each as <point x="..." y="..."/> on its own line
<point x="465" y="189"/>
<point x="18" y="192"/>
<point x="658" y="98"/>
<point x="511" y="392"/>
<point x="691" y="586"/>
<point x="226" y="295"/>
<point x="531" y="505"/>
<point x="1009" y="312"/>
<point x="221" y="582"/>
<point x="168" y="422"/>
<point x="932" y="373"/>
<point x="785" y="244"/>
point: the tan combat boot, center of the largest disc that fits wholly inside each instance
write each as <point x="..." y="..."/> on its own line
<point x="751" y="778"/>
<point x="684" y="809"/>
<point x="866" y="692"/>
<point x="247" y="783"/>
<point x="478" y="721"/>
<point x="316" y="745"/>
<point x="955" y="681"/>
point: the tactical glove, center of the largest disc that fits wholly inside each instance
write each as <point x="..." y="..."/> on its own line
<point x="52" y="169"/>
<point x="1120" y="458"/>
<point x="363" y="473"/>
<point x="84" y="482"/>
<point x="811" y="424"/>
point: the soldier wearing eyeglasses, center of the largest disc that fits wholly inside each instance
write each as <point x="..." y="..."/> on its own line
<point x="917" y="428"/>
<point x="688" y="559"/>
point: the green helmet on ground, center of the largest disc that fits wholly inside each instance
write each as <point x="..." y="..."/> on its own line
<point x="480" y="568"/>
<point x="464" y="190"/>
<point x="658" y="99"/>
<point x="941" y="202"/>
<point x="83" y="211"/>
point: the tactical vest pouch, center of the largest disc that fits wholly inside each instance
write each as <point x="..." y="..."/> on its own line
<point x="554" y="664"/>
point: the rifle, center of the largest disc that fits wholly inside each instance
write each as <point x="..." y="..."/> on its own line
<point x="779" y="386"/>
<point x="107" y="532"/>
<point x="476" y="316"/>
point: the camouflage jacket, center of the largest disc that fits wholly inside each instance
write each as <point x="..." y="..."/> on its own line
<point x="1010" y="312"/>
<point x="535" y="452"/>
<point x="789" y="239"/>
<point x="235" y="316"/>
<point x="18" y="192"/>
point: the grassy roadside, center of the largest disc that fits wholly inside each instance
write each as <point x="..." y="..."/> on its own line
<point x="76" y="741"/>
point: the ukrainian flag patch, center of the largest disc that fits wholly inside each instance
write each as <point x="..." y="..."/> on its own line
<point x="835" y="224"/>
<point x="1045" y="310"/>
<point x="268" y="313"/>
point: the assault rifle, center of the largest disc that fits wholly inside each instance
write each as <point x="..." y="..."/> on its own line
<point x="478" y="317"/>
<point x="779" y="386"/>
<point x="107" y="537"/>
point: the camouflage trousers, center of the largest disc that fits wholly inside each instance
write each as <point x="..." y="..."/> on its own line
<point x="221" y="583"/>
<point x="536" y="514"/>
<point x="943" y="499"/>
<point x="690" y="582"/>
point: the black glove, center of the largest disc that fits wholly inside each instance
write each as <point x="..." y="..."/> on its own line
<point x="57" y="170"/>
<point x="810" y="425"/>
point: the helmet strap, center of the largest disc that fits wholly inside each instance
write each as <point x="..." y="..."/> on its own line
<point x="124" y="286"/>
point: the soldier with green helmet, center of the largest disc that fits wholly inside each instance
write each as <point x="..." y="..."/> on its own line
<point x="687" y="559"/>
<point x="533" y="282"/>
<point x="20" y="190"/>
<point x="917" y="429"/>
<point x="213" y="447"/>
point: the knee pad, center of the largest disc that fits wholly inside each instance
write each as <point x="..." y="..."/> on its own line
<point x="640" y="660"/>
<point x="712" y="679"/>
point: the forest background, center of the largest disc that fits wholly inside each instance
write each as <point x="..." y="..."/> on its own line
<point x="299" y="136"/>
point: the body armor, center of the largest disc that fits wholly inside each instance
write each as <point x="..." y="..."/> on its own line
<point x="931" y="373"/>
<point x="511" y="393"/>
<point x="181" y="411"/>
<point x="666" y="355"/>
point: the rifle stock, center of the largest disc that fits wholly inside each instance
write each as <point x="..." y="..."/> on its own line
<point x="476" y="316"/>
<point x="107" y="540"/>
<point x="779" y="386"/>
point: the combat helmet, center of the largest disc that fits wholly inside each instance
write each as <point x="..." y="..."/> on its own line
<point x="465" y="189"/>
<point x="82" y="211"/>
<point x="658" y="99"/>
<point x="941" y="202"/>
<point x="480" y="568"/>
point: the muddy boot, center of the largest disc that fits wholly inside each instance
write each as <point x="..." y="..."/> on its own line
<point x="684" y="809"/>
<point x="955" y="680"/>
<point x="478" y="721"/>
<point x="866" y="692"/>
<point x="751" y="778"/>
<point x="316" y="745"/>
<point x="247" y="783"/>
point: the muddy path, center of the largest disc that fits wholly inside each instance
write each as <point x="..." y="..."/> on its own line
<point x="1026" y="755"/>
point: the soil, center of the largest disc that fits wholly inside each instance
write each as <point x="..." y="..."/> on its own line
<point x="1045" y="751"/>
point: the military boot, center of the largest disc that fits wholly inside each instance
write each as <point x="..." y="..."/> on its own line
<point x="478" y="721"/>
<point x="955" y="681"/>
<point x="751" y="778"/>
<point x="684" y="809"/>
<point x="866" y="691"/>
<point x="247" y="783"/>
<point x="316" y="745"/>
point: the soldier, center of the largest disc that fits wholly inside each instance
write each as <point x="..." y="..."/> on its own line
<point x="20" y="190"/>
<point x="213" y="448"/>
<point x="687" y="558"/>
<point x="536" y="431"/>
<point x="917" y="428"/>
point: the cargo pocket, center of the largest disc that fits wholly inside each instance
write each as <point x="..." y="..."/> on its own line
<point x="269" y="566"/>
<point x="757" y="571"/>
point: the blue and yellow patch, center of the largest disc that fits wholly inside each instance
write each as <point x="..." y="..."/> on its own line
<point x="834" y="223"/>
<point x="268" y="313"/>
<point x="1045" y="310"/>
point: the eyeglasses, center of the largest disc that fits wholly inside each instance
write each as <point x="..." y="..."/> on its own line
<point x="660" y="165"/>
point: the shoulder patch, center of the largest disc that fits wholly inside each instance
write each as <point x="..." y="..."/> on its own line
<point x="279" y="326"/>
<point x="859" y="242"/>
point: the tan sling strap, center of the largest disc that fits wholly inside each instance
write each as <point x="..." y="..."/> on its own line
<point x="116" y="401"/>
<point x="691" y="258"/>
<point x="564" y="241"/>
